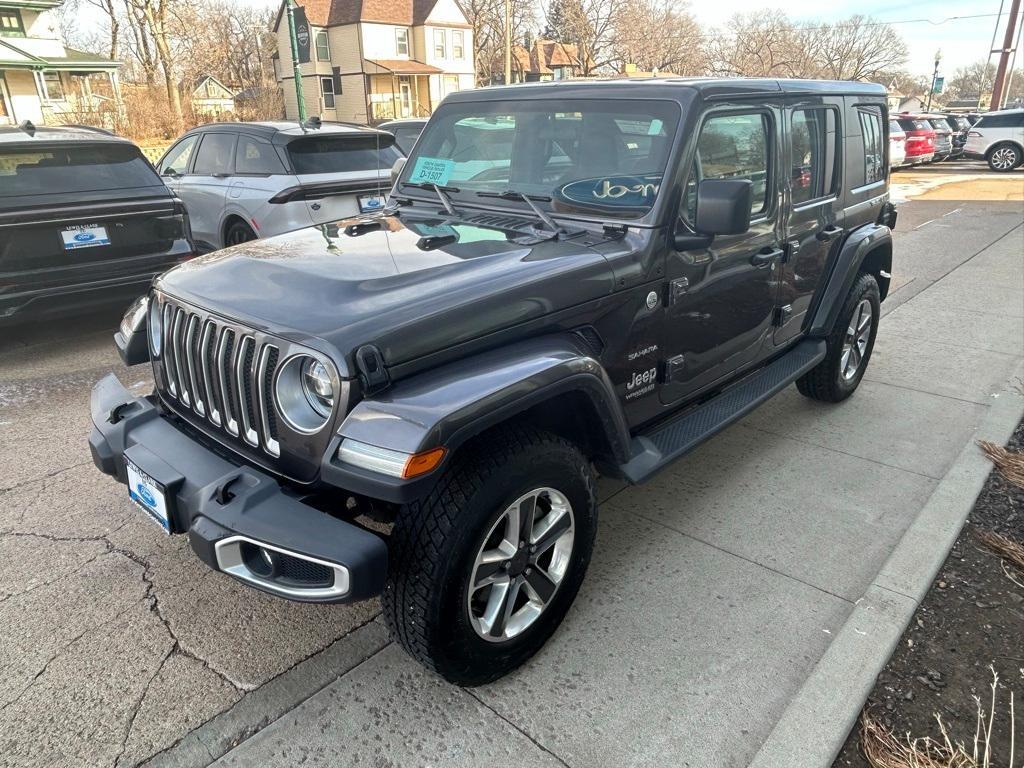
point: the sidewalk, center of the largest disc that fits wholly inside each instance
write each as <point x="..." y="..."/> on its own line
<point x="723" y="596"/>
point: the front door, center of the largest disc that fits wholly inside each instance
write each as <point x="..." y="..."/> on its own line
<point x="405" y="96"/>
<point x="810" y="155"/>
<point x="721" y="299"/>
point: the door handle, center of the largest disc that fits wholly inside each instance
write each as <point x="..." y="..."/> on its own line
<point x="829" y="234"/>
<point x="766" y="256"/>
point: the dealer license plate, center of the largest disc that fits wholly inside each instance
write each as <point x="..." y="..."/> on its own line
<point x="84" y="237"/>
<point x="148" y="494"/>
<point x="371" y="203"/>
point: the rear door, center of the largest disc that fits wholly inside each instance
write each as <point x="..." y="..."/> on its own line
<point x="259" y="174"/>
<point x="343" y="174"/>
<point x="811" y="156"/>
<point x="205" y="187"/>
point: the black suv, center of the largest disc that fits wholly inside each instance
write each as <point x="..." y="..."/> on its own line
<point x="84" y="221"/>
<point x="570" y="278"/>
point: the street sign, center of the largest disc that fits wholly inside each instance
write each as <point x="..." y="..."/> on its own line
<point x="937" y="86"/>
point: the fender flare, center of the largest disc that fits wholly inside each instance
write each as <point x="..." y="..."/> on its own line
<point x="869" y="239"/>
<point x="449" y="405"/>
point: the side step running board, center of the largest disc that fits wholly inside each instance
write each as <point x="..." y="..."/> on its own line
<point x="654" y="450"/>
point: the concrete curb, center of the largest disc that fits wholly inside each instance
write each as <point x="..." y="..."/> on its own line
<point x="273" y="699"/>
<point x="815" y="724"/>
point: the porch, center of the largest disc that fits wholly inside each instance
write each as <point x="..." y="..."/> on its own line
<point x="398" y="88"/>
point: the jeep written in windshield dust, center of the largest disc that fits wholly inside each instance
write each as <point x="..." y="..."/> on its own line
<point x="569" y="279"/>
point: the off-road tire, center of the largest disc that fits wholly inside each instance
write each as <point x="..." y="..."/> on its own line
<point x="825" y="381"/>
<point x="1004" y="150"/>
<point x="435" y="541"/>
<point x="238" y="232"/>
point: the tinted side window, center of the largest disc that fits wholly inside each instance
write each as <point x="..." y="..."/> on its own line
<point x="1001" y="121"/>
<point x="256" y="156"/>
<point x="732" y="147"/>
<point x="813" y="154"/>
<point x="406" y="136"/>
<point x="215" y="154"/>
<point x="176" y="160"/>
<point x="874" y="150"/>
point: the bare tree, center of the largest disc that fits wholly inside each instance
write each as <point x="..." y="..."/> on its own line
<point x="677" y="46"/>
<point x="857" y="48"/>
<point x="488" y="20"/>
<point x="591" y="25"/>
<point x="158" y="18"/>
<point x="759" y="45"/>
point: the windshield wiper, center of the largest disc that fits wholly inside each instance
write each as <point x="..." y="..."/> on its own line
<point x="511" y="194"/>
<point x="440" y="190"/>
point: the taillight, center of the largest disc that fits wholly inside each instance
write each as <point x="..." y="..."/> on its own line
<point x="170" y="227"/>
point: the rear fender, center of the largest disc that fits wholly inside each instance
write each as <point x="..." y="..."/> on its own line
<point x="868" y="249"/>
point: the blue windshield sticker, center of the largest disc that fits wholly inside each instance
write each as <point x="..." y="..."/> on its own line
<point x="654" y="128"/>
<point x="432" y="170"/>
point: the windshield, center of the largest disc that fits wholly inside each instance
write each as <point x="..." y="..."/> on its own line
<point x="602" y="158"/>
<point x="344" y="154"/>
<point x="73" y="168"/>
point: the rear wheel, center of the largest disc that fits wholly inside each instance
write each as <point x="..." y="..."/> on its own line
<point x="238" y="232"/>
<point x="484" y="568"/>
<point x="1004" y="157"/>
<point x="849" y="346"/>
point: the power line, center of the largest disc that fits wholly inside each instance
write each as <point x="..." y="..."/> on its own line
<point x="933" y="22"/>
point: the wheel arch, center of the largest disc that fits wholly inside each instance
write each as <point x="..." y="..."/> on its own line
<point x="1000" y="142"/>
<point x="868" y="249"/>
<point x="551" y="382"/>
<point x="232" y="217"/>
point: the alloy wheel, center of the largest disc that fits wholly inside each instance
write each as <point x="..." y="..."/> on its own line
<point x="1004" y="158"/>
<point x="520" y="564"/>
<point x="855" y="343"/>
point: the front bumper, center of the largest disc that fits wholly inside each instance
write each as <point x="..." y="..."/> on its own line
<point x="223" y="506"/>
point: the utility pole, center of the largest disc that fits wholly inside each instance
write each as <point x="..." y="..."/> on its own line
<point x="999" y="87"/>
<point x="935" y="77"/>
<point x="508" y="42"/>
<point x="296" y="66"/>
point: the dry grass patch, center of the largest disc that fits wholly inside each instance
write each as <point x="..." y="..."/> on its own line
<point x="1009" y="463"/>
<point x="883" y="749"/>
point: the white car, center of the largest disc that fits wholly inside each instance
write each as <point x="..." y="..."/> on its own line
<point x="241" y="181"/>
<point x="897" y="145"/>
<point x="998" y="138"/>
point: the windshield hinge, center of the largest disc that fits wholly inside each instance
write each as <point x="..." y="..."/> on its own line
<point x="615" y="230"/>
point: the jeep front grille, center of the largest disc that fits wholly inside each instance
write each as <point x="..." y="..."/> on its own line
<point x="223" y="372"/>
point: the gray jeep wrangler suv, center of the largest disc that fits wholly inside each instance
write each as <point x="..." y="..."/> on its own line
<point x="570" y="278"/>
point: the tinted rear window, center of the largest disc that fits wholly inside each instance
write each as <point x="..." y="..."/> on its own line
<point x="1001" y="121"/>
<point x="73" y="168"/>
<point x="939" y="124"/>
<point x="895" y="127"/>
<point x="343" y="154"/>
<point x="914" y="125"/>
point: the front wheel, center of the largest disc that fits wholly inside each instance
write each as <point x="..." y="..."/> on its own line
<point x="849" y="346"/>
<point x="483" y="569"/>
<point x="1004" y="158"/>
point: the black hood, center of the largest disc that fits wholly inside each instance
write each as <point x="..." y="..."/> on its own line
<point x="410" y="285"/>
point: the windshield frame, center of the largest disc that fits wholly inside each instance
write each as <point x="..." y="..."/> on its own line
<point x="470" y="199"/>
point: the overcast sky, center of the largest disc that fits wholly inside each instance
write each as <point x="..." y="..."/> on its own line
<point x="962" y="41"/>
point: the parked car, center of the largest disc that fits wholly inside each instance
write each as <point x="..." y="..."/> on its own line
<point x="462" y="363"/>
<point x="998" y="139"/>
<point x="84" y="221"/>
<point x="960" y="125"/>
<point x="920" y="144"/>
<point x="405" y="131"/>
<point x="241" y="181"/>
<point x="943" y="136"/>
<point x="897" y="145"/>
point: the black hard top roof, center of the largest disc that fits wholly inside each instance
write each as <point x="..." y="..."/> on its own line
<point x="13" y="134"/>
<point x="667" y="87"/>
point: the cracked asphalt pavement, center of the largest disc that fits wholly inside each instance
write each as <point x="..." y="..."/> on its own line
<point x="118" y="645"/>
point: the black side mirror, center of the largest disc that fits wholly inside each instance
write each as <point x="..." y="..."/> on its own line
<point x="723" y="208"/>
<point x="169" y="173"/>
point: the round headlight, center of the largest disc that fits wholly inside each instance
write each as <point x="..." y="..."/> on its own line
<point x="156" y="328"/>
<point x="317" y="386"/>
<point x="305" y="391"/>
<point x="132" y="320"/>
